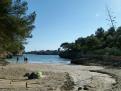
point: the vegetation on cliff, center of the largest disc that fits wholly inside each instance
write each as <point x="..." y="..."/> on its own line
<point x="101" y="43"/>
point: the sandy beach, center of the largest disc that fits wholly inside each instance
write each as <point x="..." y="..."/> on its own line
<point x="60" y="45"/>
<point x="12" y="78"/>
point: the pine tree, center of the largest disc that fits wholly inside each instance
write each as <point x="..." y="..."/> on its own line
<point x="15" y="25"/>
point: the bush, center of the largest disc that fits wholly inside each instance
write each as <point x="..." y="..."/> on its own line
<point x="69" y="83"/>
<point x="113" y="51"/>
<point x="34" y="75"/>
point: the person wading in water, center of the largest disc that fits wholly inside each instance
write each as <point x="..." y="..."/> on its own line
<point x="25" y="59"/>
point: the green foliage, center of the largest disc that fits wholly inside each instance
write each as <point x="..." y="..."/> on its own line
<point x="99" y="33"/>
<point x="15" y="25"/>
<point x="101" y="43"/>
<point x="68" y="84"/>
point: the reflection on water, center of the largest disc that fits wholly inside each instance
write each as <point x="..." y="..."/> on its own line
<point x="32" y="58"/>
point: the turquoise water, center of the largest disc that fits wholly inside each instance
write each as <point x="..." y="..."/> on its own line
<point x="32" y="58"/>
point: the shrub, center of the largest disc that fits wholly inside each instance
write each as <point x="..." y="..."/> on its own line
<point x="69" y="83"/>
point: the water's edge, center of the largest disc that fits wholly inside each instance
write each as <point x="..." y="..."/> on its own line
<point x="33" y="58"/>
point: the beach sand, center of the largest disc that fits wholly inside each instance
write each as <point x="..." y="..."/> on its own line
<point x="12" y="78"/>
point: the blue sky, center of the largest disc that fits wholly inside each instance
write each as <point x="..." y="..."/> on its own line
<point x="61" y="21"/>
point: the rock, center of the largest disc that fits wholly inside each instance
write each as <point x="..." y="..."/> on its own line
<point x="86" y="87"/>
<point x="80" y="88"/>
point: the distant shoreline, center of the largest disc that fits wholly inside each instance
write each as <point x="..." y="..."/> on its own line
<point x="44" y="52"/>
<point x="40" y="54"/>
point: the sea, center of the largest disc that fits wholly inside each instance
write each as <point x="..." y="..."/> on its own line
<point x="34" y="58"/>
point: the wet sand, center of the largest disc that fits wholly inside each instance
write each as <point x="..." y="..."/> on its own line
<point x="116" y="73"/>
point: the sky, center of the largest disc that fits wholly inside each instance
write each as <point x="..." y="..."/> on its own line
<point x="61" y="21"/>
